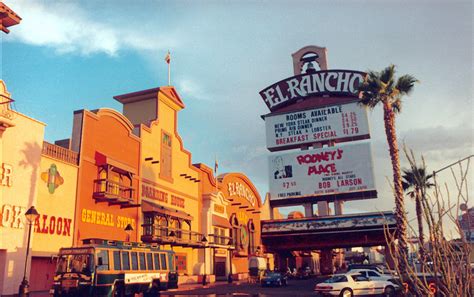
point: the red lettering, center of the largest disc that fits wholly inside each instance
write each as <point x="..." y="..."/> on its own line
<point x="59" y="227"/>
<point x="52" y="224"/>
<point x="67" y="227"/>
<point x="45" y="228"/>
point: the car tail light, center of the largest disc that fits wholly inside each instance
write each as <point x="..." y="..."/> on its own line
<point x="323" y="287"/>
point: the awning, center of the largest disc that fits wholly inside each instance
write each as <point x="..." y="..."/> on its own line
<point x="101" y="159"/>
<point x="148" y="206"/>
<point x="220" y="222"/>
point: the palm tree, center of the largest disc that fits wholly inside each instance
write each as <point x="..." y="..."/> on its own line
<point x="415" y="182"/>
<point x="382" y="88"/>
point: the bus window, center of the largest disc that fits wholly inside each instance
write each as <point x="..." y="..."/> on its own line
<point x="142" y="261"/>
<point x="102" y="260"/>
<point x="125" y="261"/>
<point x="163" y="261"/>
<point x="134" y="260"/>
<point x="117" y="264"/>
<point x="156" y="257"/>
<point x="149" y="261"/>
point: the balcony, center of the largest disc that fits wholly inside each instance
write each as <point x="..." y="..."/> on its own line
<point x="114" y="193"/>
<point x="219" y="241"/>
<point x="60" y="153"/>
<point x="160" y="234"/>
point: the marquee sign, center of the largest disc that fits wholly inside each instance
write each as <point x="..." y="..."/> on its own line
<point x="320" y="172"/>
<point x="344" y="122"/>
<point x="326" y="82"/>
<point x="348" y="222"/>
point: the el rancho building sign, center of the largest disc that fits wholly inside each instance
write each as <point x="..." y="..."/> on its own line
<point x="317" y="110"/>
<point x="319" y="83"/>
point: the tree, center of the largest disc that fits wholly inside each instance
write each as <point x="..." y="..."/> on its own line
<point x="382" y="88"/>
<point x="415" y="182"/>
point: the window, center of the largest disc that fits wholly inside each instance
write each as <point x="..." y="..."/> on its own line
<point x="125" y="261"/>
<point x="156" y="257"/>
<point x="180" y="262"/>
<point x="142" y="261"/>
<point x="163" y="261"/>
<point x="149" y="260"/>
<point x="166" y="155"/>
<point x="117" y="264"/>
<point x="102" y="260"/>
<point x="134" y="261"/>
<point x="371" y="273"/>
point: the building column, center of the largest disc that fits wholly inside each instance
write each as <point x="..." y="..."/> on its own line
<point x="325" y="262"/>
<point x="308" y="210"/>
<point x="323" y="208"/>
<point x="338" y="207"/>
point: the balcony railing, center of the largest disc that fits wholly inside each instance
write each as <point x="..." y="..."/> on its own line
<point x="219" y="240"/>
<point x="161" y="234"/>
<point x="114" y="192"/>
<point x="60" y="153"/>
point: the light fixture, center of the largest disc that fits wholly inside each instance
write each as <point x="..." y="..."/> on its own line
<point x="31" y="215"/>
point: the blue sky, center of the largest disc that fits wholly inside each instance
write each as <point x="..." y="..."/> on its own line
<point x="68" y="55"/>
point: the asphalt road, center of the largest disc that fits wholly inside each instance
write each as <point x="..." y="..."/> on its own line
<point x="297" y="288"/>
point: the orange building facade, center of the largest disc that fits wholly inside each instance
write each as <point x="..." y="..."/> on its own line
<point x="119" y="170"/>
<point x="108" y="179"/>
<point x="231" y="215"/>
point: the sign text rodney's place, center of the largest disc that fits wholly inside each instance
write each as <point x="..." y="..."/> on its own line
<point x="338" y="82"/>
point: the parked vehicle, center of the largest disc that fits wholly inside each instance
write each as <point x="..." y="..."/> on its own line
<point x="113" y="268"/>
<point x="271" y="278"/>
<point x="354" y="284"/>
<point x="257" y="267"/>
<point x="304" y="273"/>
<point x="375" y="275"/>
<point x="375" y="267"/>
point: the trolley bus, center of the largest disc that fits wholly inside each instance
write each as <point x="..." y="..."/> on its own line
<point x="114" y="268"/>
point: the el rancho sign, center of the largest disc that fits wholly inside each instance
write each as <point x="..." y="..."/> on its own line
<point x="316" y="84"/>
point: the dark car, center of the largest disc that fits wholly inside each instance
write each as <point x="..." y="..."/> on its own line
<point x="273" y="279"/>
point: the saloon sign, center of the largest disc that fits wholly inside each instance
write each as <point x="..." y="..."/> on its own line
<point x="344" y="122"/>
<point x="327" y="82"/>
<point x="322" y="172"/>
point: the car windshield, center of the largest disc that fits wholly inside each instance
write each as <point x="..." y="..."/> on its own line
<point x="337" y="279"/>
<point x="75" y="263"/>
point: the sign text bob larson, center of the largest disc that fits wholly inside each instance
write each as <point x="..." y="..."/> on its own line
<point x="327" y="82"/>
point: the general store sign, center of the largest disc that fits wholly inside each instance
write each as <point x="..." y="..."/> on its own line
<point x="343" y="122"/>
<point x="327" y="82"/>
<point x="319" y="172"/>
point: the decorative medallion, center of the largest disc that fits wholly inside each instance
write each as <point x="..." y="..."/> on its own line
<point x="52" y="178"/>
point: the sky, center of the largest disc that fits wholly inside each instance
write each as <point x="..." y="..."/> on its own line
<point x="70" y="55"/>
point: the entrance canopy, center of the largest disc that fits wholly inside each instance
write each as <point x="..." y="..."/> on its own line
<point x="327" y="232"/>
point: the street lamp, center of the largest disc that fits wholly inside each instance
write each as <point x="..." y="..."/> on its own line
<point x="31" y="215"/>
<point x="230" y="243"/>
<point x="204" y="241"/>
<point x="129" y="230"/>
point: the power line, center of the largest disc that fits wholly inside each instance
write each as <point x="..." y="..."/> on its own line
<point x="450" y="165"/>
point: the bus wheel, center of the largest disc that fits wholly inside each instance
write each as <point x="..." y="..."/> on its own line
<point x="154" y="290"/>
<point x="118" y="291"/>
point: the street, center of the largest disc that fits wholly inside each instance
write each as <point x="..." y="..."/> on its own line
<point x="301" y="288"/>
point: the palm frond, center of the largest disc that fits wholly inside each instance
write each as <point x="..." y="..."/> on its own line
<point x="387" y="74"/>
<point x="406" y="83"/>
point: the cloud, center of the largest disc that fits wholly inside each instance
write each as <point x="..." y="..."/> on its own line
<point x="190" y="89"/>
<point x="67" y="28"/>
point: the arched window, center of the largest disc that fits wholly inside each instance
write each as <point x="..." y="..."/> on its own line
<point x="235" y="231"/>
<point x="251" y="228"/>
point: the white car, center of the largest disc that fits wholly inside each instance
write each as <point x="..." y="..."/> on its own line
<point x="354" y="284"/>
<point x="374" y="275"/>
